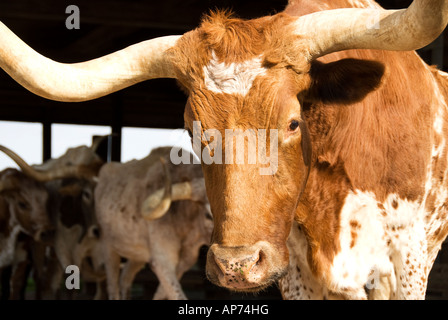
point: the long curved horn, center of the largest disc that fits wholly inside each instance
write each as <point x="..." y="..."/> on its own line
<point x="398" y="30"/>
<point x="158" y="203"/>
<point x="43" y="176"/>
<point x="85" y="80"/>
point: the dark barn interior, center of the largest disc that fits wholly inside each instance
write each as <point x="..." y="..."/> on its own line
<point x="110" y="25"/>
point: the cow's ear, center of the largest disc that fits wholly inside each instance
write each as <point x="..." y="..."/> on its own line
<point x="344" y="81"/>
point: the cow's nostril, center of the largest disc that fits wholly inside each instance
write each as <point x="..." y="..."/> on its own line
<point x="94" y="232"/>
<point x="46" y="236"/>
<point x="260" y="259"/>
<point x="220" y="265"/>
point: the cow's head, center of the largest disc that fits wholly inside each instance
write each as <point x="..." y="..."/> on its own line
<point x="27" y="201"/>
<point x="249" y="76"/>
<point x="247" y="93"/>
<point x="74" y="203"/>
<point x="28" y="194"/>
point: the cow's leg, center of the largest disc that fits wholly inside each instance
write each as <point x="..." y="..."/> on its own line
<point x="168" y="280"/>
<point x="187" y="261"/>
<point x="5" y="273"/>
<point x="131" y="268"/>
<point x="47" y="272"/>
<point x="101" y="290"/>
<point x="160" y="293"/>
<point x="20" y="272"/>
<point x="112" y="265"/>
<point x="21" y="268"/>
<point x="163" y="263"/>
<point x="53" y="280"/>
<point x="38" y="257"/>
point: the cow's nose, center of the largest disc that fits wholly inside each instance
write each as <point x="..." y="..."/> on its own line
<point x="94" y="231"/>
<point x="237" y="268"/>
<point x="45" y="236"/>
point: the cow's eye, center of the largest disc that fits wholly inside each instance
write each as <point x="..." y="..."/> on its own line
<point x="86" y="195"/>
<point x="293" y="125"/>
<point x="208" y="216"/>
<point x="23" y="205"/>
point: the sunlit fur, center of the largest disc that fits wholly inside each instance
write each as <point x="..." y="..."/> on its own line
<point x="366" y="127"/>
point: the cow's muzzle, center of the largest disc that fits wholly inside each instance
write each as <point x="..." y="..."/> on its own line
<point x="45" y="236"/>
<point x="244" y="268"/>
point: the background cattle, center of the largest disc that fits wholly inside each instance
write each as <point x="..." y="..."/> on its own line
<point x="169" y="243"/>
<point x="72" y="210"/>
<point x="69" y="208"/>
<point x="23" y="221"/>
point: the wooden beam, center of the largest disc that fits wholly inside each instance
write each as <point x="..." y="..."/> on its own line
<point x="117" y="126"/>
<point x="46" y="154"/>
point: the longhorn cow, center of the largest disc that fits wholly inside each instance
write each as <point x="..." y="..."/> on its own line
<point x="360" y="123"/>
<point x="66" y="202"/>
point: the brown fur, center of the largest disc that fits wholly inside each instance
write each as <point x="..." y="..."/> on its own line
<point x="26" y="202"/>
<point x="22" y="206"/>
<point x="366" y="114"/>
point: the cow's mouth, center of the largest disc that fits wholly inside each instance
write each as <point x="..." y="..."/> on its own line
<point x="244" y="286"/>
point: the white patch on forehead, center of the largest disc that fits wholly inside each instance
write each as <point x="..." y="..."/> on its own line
<point x="233" y="78"/>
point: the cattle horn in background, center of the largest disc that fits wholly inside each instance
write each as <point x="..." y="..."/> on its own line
<point x="158" y="203"/>
<point x="43" y="176"/>
<point x="324" y="32"/>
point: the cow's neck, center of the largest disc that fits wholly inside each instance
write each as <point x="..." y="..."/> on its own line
<point x="381" y="148"/>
